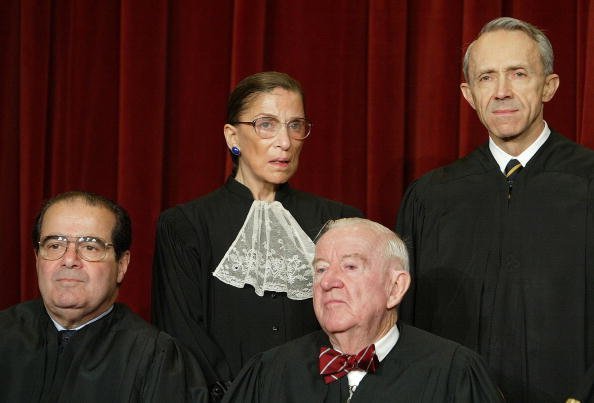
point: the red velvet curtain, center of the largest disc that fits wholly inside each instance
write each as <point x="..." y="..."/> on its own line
<point x="127" y="99"/>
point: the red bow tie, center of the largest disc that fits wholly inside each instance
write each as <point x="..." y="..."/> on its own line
<point x="334" y="365"/>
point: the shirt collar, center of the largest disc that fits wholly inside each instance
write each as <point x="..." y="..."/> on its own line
<point x="384" y="345"/>
<point x="503" y="158"/>
<point x="60" y="327"/>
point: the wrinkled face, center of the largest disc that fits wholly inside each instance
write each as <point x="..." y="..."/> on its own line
<point x="507" y="85"/>
<point x="352" y="281"/>
<point x="73" y="288"/>
<point x="267" y="161"/>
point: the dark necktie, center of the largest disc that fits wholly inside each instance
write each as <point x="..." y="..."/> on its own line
<point x="512" y="168"/>
<point x="334" y="365"/>
<point x="64" y="337"/>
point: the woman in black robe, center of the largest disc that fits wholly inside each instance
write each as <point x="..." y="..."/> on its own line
<point x="231" y="275"/>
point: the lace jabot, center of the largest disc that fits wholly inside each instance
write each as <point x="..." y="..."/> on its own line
<point x="270" y="253"/>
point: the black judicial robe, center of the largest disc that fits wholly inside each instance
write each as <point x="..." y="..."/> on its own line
<point x="420" y="368"/>
<point x="584" y="392"/>
<point x="511" y="277"/>
<point x="119" y="358"/>
<point x="225" y="326"/>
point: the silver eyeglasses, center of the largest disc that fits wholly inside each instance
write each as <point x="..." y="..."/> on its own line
<point x="268" y="127"/>
<point x="89" y="248"/>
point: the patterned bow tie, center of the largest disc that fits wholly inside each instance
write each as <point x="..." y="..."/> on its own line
<point x="334" y="365"/>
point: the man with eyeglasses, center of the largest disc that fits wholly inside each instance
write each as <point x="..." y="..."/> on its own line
<point x="76" y="343"/>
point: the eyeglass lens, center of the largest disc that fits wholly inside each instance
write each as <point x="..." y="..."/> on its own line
<point x="268" y="127"/>
<point x="88" y="248"/>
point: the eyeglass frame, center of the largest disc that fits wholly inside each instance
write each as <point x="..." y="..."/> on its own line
<point x="76" y="241"/>
<point x="253" y="124"/>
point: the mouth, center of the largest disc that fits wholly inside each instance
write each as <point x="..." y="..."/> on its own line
<point x="280" y="162"/>
<point x="504" y="112"/>
<point x="68" y="281"/>
<point x="333" y="302"/>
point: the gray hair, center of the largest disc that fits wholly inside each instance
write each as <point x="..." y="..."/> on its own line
<point x="393" y="246"/>
<point x="512" y="24"/>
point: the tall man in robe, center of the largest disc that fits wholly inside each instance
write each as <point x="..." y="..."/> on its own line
<point x="362" y="354"/>
<point x="502" y="240"/>
<point x="76" y="344"/>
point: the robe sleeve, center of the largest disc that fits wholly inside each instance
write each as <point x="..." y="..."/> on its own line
<point x="246" y="386"/>
<point x="409" y="226"/>
<point x="472" y="381"/>
<point x="179" y="296"/>
<point x="584" y="392"/>
<point x="174" y="375"/>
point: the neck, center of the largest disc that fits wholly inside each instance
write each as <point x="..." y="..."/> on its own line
<point x="74" y="318"/>
<point x="516" y="145"/>
<point x="354" y="340"/>
<point x="260" y="190"/>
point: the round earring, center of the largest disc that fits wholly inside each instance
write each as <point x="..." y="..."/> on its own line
<point x="235" y="151"/>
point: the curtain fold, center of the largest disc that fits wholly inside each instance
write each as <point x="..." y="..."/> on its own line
<point x="127" y="98"/>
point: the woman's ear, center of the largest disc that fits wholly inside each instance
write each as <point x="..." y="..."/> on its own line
<point x="231" y="137"/>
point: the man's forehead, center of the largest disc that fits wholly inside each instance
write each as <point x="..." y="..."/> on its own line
<point x="77" y="212"/>
<point x="347" y="241"/>
<point x="502" y="44"/>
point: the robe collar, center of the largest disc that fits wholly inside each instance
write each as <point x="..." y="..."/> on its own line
<point x="503" y="158"/>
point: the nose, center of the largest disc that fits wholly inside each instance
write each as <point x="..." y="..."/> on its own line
<point x="283" y="140"/>
<point x="503" y="90"/>
<point x="331" y="278"/>
<point x="71" y="258"/>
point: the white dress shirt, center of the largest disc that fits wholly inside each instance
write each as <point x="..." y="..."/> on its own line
<point x="503" y="158"/>
<point x="382" y="347"/>
<point x="60" y="327"/>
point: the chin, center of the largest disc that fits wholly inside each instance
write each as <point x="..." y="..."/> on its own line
<point x="337" y="324"/>
<point x="279" y="179"/>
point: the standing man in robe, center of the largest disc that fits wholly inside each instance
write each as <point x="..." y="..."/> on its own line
<point x="502" y="240"/>
<point x="76" y="344"/>
<point x="362" y="353"/>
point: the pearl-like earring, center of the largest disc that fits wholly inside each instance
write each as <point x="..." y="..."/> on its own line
<point x="235" y="151"/>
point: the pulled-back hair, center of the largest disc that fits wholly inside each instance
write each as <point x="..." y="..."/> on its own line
<point x="252" y="86"/>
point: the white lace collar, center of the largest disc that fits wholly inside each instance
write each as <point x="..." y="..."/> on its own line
<point x="270" y="253"/>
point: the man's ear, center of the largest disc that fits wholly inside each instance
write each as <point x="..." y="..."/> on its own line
<point x="400" y="280"/>
<point x="467" y="94"/>
<point x="123" y="266"/>
<point x="550" y="87"/>
<point x="230" y="133"/>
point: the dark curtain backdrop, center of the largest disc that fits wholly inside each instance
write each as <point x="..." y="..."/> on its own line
<point x="127" y="99"/>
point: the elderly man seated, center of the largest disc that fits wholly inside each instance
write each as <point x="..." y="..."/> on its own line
<point x="76" y="344"/>
<point x="363" y="355"/>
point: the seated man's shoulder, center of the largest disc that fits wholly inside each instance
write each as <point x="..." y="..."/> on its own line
<point x="305" y="348"/>
<point x="24" y="314"/>
<point x="128" y="322"/>
<point x="434" y="348"/>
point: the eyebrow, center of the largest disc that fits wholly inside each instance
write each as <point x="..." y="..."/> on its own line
<point x="270" y="115"/>
<point x="343" y="258"/>
<point x="509" y="68"/>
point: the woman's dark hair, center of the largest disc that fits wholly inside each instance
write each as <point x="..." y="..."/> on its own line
<point x="253" y="85"/>
<point x="121" y="235"/>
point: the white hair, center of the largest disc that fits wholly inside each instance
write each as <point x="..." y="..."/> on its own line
<point x="394" y="247"/>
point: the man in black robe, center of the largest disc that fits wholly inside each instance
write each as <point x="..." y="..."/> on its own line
<point x="360" y="277"/>
<point x="76" y="344"/>
<point x="502" y="240"/>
